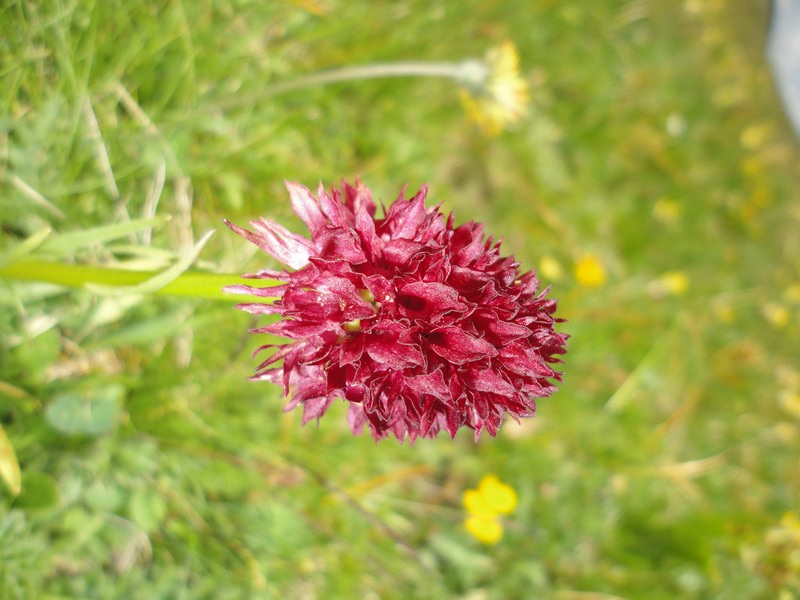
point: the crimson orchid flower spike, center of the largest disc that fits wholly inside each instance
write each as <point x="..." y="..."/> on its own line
<point x="419" y="325"/>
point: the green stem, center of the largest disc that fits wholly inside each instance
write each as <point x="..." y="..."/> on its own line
<point x="195" y="285"/>
<point x="400" y="69"/>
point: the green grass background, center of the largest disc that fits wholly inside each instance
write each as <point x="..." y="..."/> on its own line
<point x="661" y="469"/>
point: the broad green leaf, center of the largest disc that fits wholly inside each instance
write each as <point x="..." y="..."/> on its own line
<point x="93" y="412"/>
<point x="9" y="466"/>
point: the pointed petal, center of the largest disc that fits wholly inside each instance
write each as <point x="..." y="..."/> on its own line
<point x="395" y="356"/>
<point x="332" y="207"/>
<point x="359" y="198"/>
<point x="267" y="274"/>
<point x="259" y="308"/>
<point x="352" y="350"/>
<point x="314" y="408"/>
<point x="526" y="362"/>
<point x="487" y="380"/>
<point x="428" y="301"/>
<point x="365" y="228"/>
<point x="432" y="384"/>
<point x="452" y="344"/>
<point x="405" y="218"/>
<point x="306" y="207"/>
<point x="398" y="252"/>
<point x="287" y="247"/>
<point x="385" y="347"/>
<point x="339" y="244"/>
<point x="356" y="418"/>
<point x="274" y="291"/>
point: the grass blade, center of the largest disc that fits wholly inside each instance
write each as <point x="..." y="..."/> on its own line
<point x="66" y="243"/>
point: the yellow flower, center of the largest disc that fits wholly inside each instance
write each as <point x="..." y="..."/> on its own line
<point x="485" y="504"/>
<point x="755" y="135"/>
<point x="550" y="268"/>
<point x="495" y="94"/>
<point x="777" y="314"/>
<point x="589" y="271"/>
<point x="500" y="497"/>
<point x="790" y="401"/>
<point x="675" y="282"/>
<point x="667" y="211"/>
<point x="672" y="283"/>
<point x="791" y="522"/>
<point x="478" y="505"/>
<point x="723" y="310"/>
<point x="487" y="530"/>
<point x="792" y="293"/>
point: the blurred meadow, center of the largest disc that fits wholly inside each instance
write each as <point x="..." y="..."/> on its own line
<point x="653" y="182"/>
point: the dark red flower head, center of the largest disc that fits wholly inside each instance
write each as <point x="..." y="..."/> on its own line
<point x="419" y="325"/>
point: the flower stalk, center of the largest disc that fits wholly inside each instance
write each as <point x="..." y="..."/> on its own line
<point x="469" y="73"/>
<point x="493" y="93"/>
<point x="206" y="286"/>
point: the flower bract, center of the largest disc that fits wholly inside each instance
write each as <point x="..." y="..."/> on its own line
<point x="418" y="324"/>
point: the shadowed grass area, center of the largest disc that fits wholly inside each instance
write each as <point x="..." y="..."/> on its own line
<point x="652" y="184"/>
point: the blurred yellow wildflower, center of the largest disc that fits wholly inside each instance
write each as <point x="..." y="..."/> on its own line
<point x="791" y="522"/>
<point x="675" y="282"/>
<point x="723" y="310"/>
<point x="589" y="271"/>
<point x="790" y="402"/>
<point x="487" y="530"/>
<point x="753" y="166"/>
<point x="777" y="314"/>
<point x="550" y="268"/>
<point x="500" y="496"/>
<point x="485" y="504"/>
<point x="792" y="293"/>
<point x="494" y="94"/>
<point x="477" y="505"/>
<point x="667" y="211"/>
<point x="672" y="283"/>
<point x="755" y="135"/>
<point x="492" y="497"/>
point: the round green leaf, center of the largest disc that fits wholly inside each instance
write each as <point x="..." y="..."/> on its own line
<point x="93" y="412"/>
<point x="147" y="509"/>
<point x="104" y="497"/>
